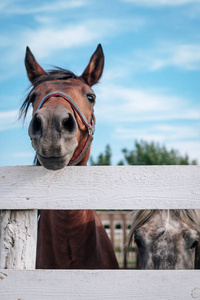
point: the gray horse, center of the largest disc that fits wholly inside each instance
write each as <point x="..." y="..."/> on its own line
<point x="166" y="239"/>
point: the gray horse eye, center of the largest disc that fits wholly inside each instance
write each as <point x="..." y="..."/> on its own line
<point x="139" y="242"/>
<point x="194" y="245"/>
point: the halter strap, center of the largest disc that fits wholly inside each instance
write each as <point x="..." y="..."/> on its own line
<point x="89" y="126"/>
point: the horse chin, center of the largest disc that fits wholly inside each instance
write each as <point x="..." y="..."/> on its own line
<point x="54" y="163"/>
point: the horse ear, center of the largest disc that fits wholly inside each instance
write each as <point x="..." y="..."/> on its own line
<point x="34" y="70"/>
<point x="94" y="70"/>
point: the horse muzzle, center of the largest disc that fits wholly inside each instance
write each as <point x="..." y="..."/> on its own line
<point x="53" y="133"/>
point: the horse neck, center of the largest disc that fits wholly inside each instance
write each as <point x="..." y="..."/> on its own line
<point x="68" y="220"/>
<point x="73" y="239"/>
<point x="66" y="237"/>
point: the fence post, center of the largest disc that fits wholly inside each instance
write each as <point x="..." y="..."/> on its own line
<point x="124" y="225"/>
<point x="18" y="238"/>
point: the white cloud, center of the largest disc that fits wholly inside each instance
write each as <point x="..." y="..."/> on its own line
<point x="159" y="133"/>
<point x="118" y="104"/>
<point x="45" y="40"/>
<point x="168" y="54"/>
<point x="184" y="138"/>
<point x="10" y="120"/>
<point x="161" y="2"/>
<point x="182" y="56"/>
<point x="191" y="148"/>
<point x="57" y="39"/>
<point x="151" y="115"/>
<point x="8" y="7"/>
<point x="50" y="37"/>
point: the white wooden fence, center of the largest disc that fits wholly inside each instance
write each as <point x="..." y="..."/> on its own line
<point x="23" y="190"/>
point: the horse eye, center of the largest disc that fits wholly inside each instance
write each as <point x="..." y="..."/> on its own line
<point x="194" y="245"/>
<point x="91" y="98"/>
<point x="138" y="241"/>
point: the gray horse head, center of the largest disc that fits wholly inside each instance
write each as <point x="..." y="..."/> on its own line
<point x="166" y="239"/>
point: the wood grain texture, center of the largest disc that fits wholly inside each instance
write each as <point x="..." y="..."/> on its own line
<point x="18" y="238"/>
<point x="114" y="187"/>
<point x="127" y="187"/>
<point x="98" y="285"/>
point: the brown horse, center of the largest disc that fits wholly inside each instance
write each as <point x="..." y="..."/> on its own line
<point x="166" y="239"/>
<point x="61" y="131"/>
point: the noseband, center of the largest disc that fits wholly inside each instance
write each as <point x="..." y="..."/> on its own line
<point x="89" y="126"/>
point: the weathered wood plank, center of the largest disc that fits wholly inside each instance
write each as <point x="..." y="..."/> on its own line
<point x="114" y="187"/>
<point x="18" y="238"/>
<point x="99" y="284"/>
<point x="99" y="188"/>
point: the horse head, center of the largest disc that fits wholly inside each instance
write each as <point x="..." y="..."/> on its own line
<point x="62" y="125"/>
<point x="165" y="239"/>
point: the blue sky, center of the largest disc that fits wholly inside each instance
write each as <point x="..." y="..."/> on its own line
<point x="150" y="87"/>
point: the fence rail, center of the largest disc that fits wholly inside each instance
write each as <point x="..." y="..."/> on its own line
<point x="26" y="189"/>
<point x="99" y="284"/>
<point x="114" y="187"/>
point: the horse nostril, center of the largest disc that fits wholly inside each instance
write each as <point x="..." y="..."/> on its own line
<point x="36" y="125"/>
<point x="69" y="124"/>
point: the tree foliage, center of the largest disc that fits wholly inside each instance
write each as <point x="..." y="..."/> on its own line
<point x="144" y="153"/>
<point x="103" y="159"/>
<point x="153" y="154"/>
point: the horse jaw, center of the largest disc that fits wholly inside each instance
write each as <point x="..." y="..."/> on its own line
<point x="56" y="163"/>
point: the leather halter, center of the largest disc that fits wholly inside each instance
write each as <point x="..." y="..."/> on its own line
<point x="89" y="126"/>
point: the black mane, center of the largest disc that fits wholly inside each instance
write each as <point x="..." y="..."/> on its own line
<point x="55" y="74"/>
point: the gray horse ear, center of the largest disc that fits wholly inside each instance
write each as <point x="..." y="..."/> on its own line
<point x="94" y="70"/>
<point x="34" y="70"/>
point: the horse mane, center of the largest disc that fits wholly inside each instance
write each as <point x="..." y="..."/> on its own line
<point x="53" y="74"/>
<point x="140" y="217"/>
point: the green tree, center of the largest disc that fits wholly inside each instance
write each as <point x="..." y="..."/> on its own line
<point x="153" y="154"/>
<point x="144" y="153"/>
<point x="103" y="159"/>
